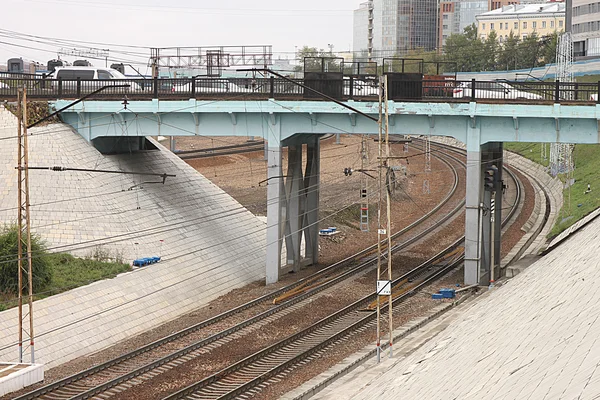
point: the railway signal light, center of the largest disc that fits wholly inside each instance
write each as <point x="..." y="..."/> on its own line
<point x="490" y="178"/>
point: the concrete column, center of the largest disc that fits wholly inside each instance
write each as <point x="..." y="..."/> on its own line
<point x="274" y="213"/>
<point x="311" y="207"/>
<point x="172" y="144"/>
<point x="499" y="196"/>
<point x="294" y="192"/>
<point x="473" y="199"/>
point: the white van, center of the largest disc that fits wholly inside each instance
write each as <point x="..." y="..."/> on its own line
<point x="85" y="74"/>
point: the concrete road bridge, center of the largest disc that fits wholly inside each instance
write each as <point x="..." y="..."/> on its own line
<point x="288" y="115"/>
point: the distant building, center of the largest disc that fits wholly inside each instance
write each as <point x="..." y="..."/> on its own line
<point x="496" y="4"/>
<point x="455" y="16"/>
<point x="522" y="20"/>
<point x="585" y="28"/>
<point x="360" y="31"/>
<point x="399" y="26"/>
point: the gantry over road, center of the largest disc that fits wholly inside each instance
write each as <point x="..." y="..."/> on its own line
<point x="286" y="115"/>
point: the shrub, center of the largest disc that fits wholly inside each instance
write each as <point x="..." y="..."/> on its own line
<point x="9" y="261"/>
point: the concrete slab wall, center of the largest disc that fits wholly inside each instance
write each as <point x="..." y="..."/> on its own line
<point x="211" y="244"/>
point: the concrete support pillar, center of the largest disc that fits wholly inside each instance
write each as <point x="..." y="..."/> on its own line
<point x="172" y="144"/>
<point x="473" y="200"/>
<point x="274" y="213"/>
<point x="311" y="205"/>
<point x="478" y="228"/>
<point x="294" y="192"/>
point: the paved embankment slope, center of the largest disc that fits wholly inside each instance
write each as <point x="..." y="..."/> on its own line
<point x="536" y="337"/>
<point x="211" y="244"/>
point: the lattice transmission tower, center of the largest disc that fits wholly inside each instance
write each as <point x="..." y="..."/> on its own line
<point x="561" y="159"/>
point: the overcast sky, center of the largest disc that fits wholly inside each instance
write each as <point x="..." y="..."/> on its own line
<point x="155" y="23"/>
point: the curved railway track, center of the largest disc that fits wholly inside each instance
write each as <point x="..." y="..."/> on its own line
<point x="150" y="360"/>
<point x="246" y="377"/>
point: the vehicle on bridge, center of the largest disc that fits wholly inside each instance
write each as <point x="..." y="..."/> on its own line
<point x="493" y="90"/>
<point x="92" y="78"/>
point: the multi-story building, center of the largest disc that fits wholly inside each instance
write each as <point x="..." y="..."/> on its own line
<point x="585" y="27"/>
<point x="496" y="4"/>
<point x="522" y="20"/>
<point x="360" y="32"/>
<point x="399" y="26"/>
<point x="455" y="15"/>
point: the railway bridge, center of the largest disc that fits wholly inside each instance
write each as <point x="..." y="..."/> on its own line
<point x="288" y="117"/>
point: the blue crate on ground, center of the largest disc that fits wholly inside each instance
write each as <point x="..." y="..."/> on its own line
<point x="437" y="296"/>
<point x="448" y="293"/>
<point x="141" y="262"/>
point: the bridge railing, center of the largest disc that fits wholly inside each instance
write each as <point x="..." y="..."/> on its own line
<point x="358" y="88"/>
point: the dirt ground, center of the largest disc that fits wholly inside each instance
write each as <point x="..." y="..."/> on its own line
<point x="242" y="176"/>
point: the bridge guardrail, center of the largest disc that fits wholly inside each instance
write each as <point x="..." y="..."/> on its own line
<point x="430" y="88"/>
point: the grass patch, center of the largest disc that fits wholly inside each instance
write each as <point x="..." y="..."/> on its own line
<point x="69" y="272"/>
<point x="531" y="151"/>
<point x="577" y="204"/>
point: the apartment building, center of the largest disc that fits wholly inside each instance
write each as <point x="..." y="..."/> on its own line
<point x="522" y="20"/>
<point x="585" y="27"/>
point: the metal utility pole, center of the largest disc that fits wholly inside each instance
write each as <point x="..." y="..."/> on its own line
<point x="388" y="207"/>
<point x="24" y="233"/>
<point x="379" y="229"/>
<point x="384" y="287"/>
<point x="154" y="57"/>
<point x="364" y="198"/>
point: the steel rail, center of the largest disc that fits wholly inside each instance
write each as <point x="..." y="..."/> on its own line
<point x="148" y="367"/>
<point x="194" y="391"/>
<point x="357" y="305"/>
<point x="253" y="320"/>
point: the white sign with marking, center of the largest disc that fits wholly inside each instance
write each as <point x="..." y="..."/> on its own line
<point x="381" y="231"/>
<point x="384" y="288"/>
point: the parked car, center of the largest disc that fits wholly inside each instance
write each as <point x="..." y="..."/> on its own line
<point x="4" y="86"/>
<point x="493" y="90"/>
<point x="99" y="76"/>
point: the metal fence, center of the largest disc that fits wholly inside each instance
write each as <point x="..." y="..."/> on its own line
<point x="359" y="88"/>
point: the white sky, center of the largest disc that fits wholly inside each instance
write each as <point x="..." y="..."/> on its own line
<point x="154" y="23"/>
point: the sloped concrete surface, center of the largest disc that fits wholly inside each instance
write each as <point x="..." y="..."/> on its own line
<point x="211" y="244"/>
<point x="536" y="337"/>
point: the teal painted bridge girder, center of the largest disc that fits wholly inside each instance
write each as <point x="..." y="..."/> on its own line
<point x="280" y="121"/>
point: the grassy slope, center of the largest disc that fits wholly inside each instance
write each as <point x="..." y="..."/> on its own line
<point x="69" y="272"/>
<point x="577" y="203"/>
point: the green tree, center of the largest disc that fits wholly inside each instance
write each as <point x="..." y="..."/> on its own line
<point x="528" y="52"/>
<point x="311" y="59"/>
<point x="507" y="58"/>
<point x="465" y="49"/>
<point x="548" y="54"/>
<point x="491" y="49"/>
<point x="9" y="264"/>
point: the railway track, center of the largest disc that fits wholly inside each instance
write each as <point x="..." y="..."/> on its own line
<point x="239" y="379"/>
<point x="246" y="377"/>
<point x="247" y="147"/>
<point x="153" y="359"/>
